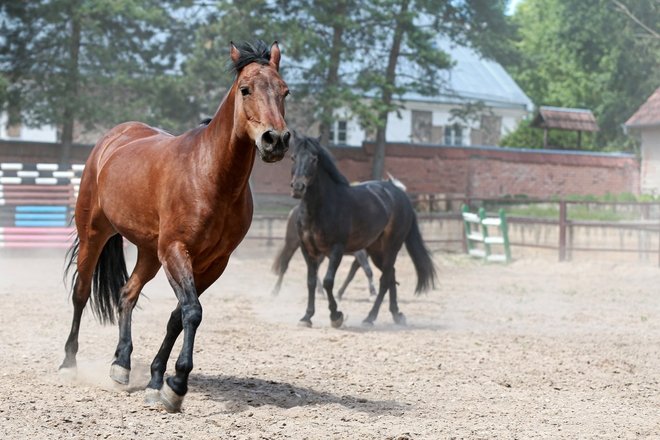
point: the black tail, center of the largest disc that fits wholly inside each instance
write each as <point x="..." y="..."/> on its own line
<point x="110" y="275"/>
<point x="421" y="257"/>
<point x="281" y="263"/>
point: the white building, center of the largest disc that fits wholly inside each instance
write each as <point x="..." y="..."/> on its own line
<point x="19" y="132"/>
<point x="498" y="103"/>
<point x="646" y="122"/>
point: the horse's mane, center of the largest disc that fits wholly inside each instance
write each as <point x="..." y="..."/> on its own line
<point x="257" y="52"/>
<point x="326" y="161"/>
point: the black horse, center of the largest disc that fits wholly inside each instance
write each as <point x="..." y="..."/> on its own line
<point x="337" y="218"/>
<point x="291" y="245"/>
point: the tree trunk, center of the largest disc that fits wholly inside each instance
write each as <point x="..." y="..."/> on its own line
<point x="332" y="78"/>
<point x="378" y="161"/>
<point x="71" y="88"/>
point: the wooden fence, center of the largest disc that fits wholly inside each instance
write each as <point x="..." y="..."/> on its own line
<point x="37" y="200"/>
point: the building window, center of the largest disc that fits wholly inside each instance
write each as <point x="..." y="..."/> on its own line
<point x="422" y="127"/>
<point x="338" y="132"/>
<point x="454" y="135"/>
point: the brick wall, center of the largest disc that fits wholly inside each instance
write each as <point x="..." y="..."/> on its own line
<point x="35" y="152"/>
<point x="478" y="172"/>
<point x="471" y="171"/>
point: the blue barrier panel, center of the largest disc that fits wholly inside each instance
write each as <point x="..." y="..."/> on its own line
<point x="37" y="216"/>
<point x="31" y="223"/>
<point x="28" y="208"/>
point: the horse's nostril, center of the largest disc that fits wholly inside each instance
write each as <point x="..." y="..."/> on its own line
<point x="286" y="137"/>
<point x="267" y="137"/>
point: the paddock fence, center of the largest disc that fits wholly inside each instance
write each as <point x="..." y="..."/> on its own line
<point x="37" y="202"/>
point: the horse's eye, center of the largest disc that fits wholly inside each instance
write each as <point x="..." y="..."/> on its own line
<point x="287" y="93"/>
<point x="245" y="91"/>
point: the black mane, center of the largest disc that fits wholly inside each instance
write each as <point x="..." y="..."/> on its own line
<point x="257" y="52"/>
<point x="326" y="161"/>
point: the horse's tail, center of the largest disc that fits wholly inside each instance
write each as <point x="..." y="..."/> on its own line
<point x="421" y="257"/>
<point x="281" y="263"/>
<point x="109" y="277"/>
<point x="291" y="244"/>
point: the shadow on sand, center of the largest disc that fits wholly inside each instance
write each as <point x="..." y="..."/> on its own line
<point x="243" y="393"/>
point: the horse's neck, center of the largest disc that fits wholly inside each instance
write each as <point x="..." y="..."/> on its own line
<point x="226" y="157"/>
<point x="322" y="198"/>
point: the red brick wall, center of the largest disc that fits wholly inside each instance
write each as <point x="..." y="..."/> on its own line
<point x="471" y="171"/>
<point x="477" y="172"/>
<point x="35" y="152"/>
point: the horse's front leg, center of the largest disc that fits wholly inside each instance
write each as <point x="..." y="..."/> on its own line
<point x="178" y="269"/>
<point x="337" y="252"/>
<point x="312" y="270"/>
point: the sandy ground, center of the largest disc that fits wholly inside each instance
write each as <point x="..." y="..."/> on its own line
<point x="536" y="349"/>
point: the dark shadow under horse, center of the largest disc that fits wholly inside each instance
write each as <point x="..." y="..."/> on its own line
<point x="337" y="218"/>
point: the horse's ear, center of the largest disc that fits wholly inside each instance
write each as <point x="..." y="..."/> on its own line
<point x="275" y="56"/>
<point x="234" y="53"/>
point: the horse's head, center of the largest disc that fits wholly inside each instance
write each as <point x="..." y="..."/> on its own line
<point x="259" y="94"/>
<point x="305" y="165"/>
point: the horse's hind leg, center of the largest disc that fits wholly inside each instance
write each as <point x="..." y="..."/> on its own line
<point x="386" y="283"/>
<point x="399" y="318"/>
<point x="89" y="250"/>
<point x="145" y="269"/>
<point x="362" y="258"/>
<point x="351" y="274"/>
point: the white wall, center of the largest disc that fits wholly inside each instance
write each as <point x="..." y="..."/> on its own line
<point x="650" y="174"/>
<point x="46" y="133"/>
<point x="399" y="126"/>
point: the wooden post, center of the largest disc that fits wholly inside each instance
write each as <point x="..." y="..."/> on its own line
<point x="562" y="230"/>
<point x="545" y="137"/>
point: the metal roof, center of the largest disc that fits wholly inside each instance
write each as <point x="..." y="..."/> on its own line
<point x="648" y="114"/>
<point x="565" y="119"/>
<point x="472" y="78"/>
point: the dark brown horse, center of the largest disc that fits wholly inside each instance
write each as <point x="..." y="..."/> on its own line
<point x="185" y="202"/>
<point x="291" y="245"/>
<point x="337" y="218"/>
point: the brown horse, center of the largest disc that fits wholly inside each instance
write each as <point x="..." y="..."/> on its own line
<point x="185" y="202"/>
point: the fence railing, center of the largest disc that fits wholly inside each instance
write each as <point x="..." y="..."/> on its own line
<point x="37" y="200"/>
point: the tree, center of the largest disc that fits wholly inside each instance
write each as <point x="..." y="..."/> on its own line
<point x="87" y="62"/>
<point x="404" y="55"/>
<point x="331" y="29"/>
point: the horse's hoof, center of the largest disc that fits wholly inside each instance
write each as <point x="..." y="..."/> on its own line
<point x="367" y="322"/>
<point x="399" y="319"/>
<point x="68" y="373"/>
<point x="119" y="374"/>
<point x="170" y="400"/>
<point x="151" y="396"/>
<point x="336" y="323"/>
<point x="307" y="323"/>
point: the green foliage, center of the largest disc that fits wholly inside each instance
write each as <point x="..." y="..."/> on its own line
<point x="587" y="54"/>
<point x="89" y="61"/>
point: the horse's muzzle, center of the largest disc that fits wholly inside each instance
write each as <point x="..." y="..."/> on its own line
<point x="297" y="189"/>
<point x="273" y="144"/>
